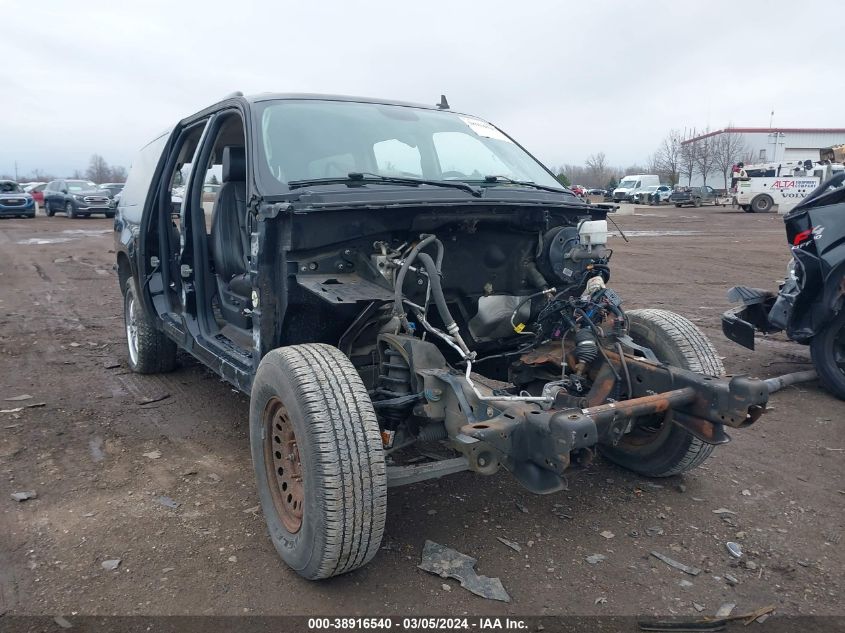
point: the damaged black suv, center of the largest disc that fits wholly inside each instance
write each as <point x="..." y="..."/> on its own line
<point x="384" y="278"/>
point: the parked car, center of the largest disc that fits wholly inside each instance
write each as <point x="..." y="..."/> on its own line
<point x="694" y="196"/>
<point x="14" y="201"/>
<point x="113" y="188"/>
<point x="36" y="190"/>
<point x="77" y="198"/>
<point x="643" y="196"/>
<point x="660" y="195"/>
<point x="358" y="309"/>
<point x="596" y="192"/>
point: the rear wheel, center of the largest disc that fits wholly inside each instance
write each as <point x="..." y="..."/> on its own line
<point x="696" y="202"/>
<point x="762" y="204"/>
<point x="150" y="351"/>
<point x="828" y="351"/>
<point x="677" y="206"/>
<point x="656" y="447"/>
<point x="318" y="459"/>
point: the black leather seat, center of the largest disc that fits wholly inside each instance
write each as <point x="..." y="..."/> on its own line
<point x="230" y="240"/>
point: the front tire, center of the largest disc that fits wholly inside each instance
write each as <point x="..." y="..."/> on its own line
<point x="150" y="351"/>
<point x="318" y="459"/>
<point x="656" y="447"/>
<point x="48" y="209"/>
<point x="828" y="351"/>
<point x="70" y="210"/>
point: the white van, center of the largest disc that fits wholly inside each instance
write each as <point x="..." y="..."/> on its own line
<point x="633" y="184"/>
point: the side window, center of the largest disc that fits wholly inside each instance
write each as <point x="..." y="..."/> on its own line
<point x="393" y="157"/>
<point x="231" y="134"/>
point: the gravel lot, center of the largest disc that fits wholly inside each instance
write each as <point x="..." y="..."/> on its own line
<point x="104" y="444"/>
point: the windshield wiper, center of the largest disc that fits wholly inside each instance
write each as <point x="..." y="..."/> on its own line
<point x="355" y="177"/>
<point x="492" y="180"/>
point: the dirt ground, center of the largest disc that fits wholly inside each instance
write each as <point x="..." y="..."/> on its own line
<point x="106" y="444"/>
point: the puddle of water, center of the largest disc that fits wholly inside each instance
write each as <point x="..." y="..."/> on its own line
<point x="71" y="234"/>
<point x="666" y="233"/>
<point x="96" y="448"/>
<point x="37" y="241"/>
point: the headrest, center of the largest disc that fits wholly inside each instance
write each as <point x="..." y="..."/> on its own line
<point x="234" y="164"/>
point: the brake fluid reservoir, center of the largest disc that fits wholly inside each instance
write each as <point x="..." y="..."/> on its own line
<point x="593" y="232"/>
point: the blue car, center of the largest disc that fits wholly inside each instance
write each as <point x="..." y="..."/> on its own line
<point x="14" y="202"/>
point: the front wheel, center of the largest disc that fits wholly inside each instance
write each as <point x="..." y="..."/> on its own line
<point x="828" y="351"/>
<point x="48" y="209"/>
<point x="318" y="459"/>
<point x="70" y="210"/>
<point x="655" y="446"/>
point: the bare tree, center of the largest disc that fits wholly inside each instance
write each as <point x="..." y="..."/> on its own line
<point x="98" y="169"/>
<point x="687" y="160"/>
<point x="705" y="156"/>
<point x="729" y="150"/>
<point x="668" y="157"/>
<point x="117" y="173"/>
<point x="597" y="168"/>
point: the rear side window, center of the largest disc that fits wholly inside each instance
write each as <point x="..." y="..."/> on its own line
<point x="134" y="196"/>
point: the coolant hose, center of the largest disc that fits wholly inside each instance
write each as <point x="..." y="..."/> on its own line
<point x="437" y="289"/>
<point x="398" y="309"/>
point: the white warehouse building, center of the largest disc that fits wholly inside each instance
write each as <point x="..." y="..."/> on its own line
<point x="764" y="145"/>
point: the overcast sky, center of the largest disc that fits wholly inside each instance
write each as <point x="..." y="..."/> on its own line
<point x="566" y="79"/>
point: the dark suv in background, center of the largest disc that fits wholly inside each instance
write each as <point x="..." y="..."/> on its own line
<point x="77" y="198"/>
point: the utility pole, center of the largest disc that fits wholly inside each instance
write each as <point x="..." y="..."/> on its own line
<point x="16" y="171"/>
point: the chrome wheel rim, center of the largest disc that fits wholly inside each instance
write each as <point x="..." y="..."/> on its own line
<point x="132" y="329"/>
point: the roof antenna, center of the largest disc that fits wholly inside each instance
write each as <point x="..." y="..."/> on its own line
<point x="443" y="105"/>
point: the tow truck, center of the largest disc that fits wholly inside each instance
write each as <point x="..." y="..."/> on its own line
<point x="784" y="184"/>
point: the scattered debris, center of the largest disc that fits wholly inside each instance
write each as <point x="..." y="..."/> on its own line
<point x="167" y="502"/>
<point x="214" y="477"/>
<point x="601" y="600"/>
<point x="707" y="623"/>
<point x="62" y="622"/>
<point x="19" y="398"/>
<point x="95" y="447"/>
<point x="23" y="496"/>
<point x="151" y="399"/>
<point x="607" y="534"/>
<point x="723" y="511"/>
<point x="750" y="565"/>
<point x="431" y="513"/>
<point x="725" y="610"/>
<point x="593" y="559"/>
<point x="167" y="570"/>
<point x="233" y="559"/>
<point x="731" y="580"/>
<point x="734" y="549"/>
<point x="251" y="510"/>
<point x="685" y="584"/>
<point x="513" y="545"/>
<point x="698" y="607"/>
<point x="111" y="564"/>
<point x="15" y="410"/>
<point x="692" y="571"/>
<point x="152" y="454"/>
<point x="189" y="472"/>
<point x="681" y="488"/>
<point x="654" y="531"/>
<point x="746" y="493"/>
<point x="449" y="563"/>
<point x="521" y="507"/>
<point x="111" y="363"/>
<point x="446" y="587"/>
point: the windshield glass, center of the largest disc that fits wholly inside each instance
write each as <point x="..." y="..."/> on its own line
<point x="627" y="184"/>
<point x="312" y="139"/>
<point x="10" y="187"/>
<point x="80" y="185"/>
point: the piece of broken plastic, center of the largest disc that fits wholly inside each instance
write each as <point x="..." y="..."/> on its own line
<point x="448" y="563"/>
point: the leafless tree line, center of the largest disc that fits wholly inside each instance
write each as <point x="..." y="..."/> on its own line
<point x="98" y="170"/>
<point x="678" y="158"/>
